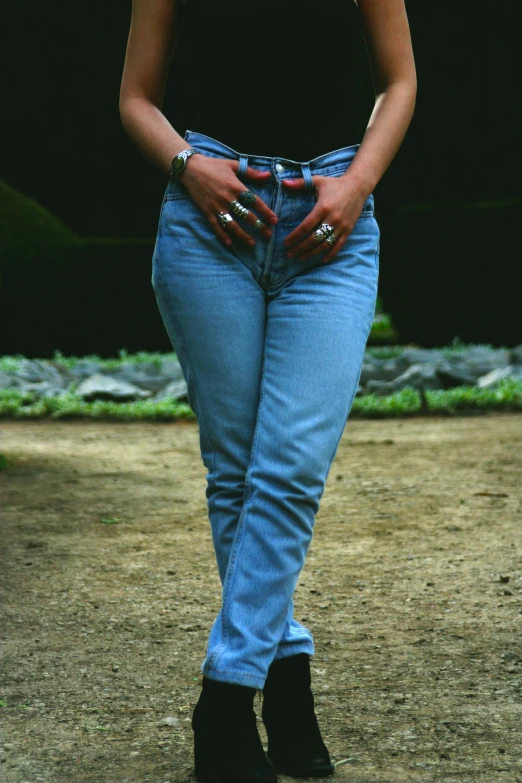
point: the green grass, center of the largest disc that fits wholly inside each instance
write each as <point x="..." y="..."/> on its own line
<point x="461" y="400"/>
<point x="23" y="405"/>
<point x="507" y="396"/>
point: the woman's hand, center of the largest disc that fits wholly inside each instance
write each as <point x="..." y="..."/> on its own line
<point x="339" y="203"/>
<point x="212" y="184"/>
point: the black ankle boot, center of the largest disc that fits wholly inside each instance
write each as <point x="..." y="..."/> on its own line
<point x="295" y="745"/>
<point x="227" y="746"/>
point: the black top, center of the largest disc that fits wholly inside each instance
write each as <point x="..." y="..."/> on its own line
<point x="278" y="77"/>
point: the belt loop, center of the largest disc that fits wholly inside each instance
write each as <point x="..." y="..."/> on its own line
<point x="305" y="168"/>
<point x="243" y="165"/>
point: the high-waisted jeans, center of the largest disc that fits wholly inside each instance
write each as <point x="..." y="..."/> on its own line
<point x="271" y="349"/>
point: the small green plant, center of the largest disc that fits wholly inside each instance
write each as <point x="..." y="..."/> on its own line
<point x="110" y="520"/>
<point x="3" y="462"/>
<point x="3" y="703"/>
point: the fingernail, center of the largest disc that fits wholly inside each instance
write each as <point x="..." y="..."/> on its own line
<point x="251" y="242"/>
<point x="273" y="219"/>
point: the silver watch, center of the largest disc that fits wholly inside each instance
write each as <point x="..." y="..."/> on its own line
<point x="179" y="163"/>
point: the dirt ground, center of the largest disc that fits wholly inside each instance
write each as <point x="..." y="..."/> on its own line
<point x="412" y="587"/>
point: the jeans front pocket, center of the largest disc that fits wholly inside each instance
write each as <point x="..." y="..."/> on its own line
<point x="176" y="190"/>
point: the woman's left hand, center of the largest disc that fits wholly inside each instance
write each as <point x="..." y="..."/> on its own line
<point x="339" y="203"/>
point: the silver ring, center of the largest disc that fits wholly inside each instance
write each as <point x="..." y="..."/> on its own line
<point x="238" y="209"/>
<point x="324" y="230"/>
<point x="260" y="225"/>
<point x="331" y="239"/>
<point x="247" y="197"/>
<point x="224" y="218"/>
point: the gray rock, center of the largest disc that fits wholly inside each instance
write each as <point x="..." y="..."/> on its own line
<point x="36" y="371"/>
<point x="43" y="389"/>
<point x="171" y="720"/>
<point x="8" y="380"/>
<point x="176" y="390"/>
<point x="453" y="375"/>
<point x="493" y="378"/>
<point x="515" y="355"/>
<point x="476" y="365"/>
<point x="371" y="371"/>
<point x="127" y="370"/>
<point x="382" y="369"/>
<point x="171" y="369"/>
<point x="149" y="375"/>
<point x="85" y="368"/>
<point x="421" y="356"/>
<point x="141" y="379"/>
<point x="104" y="387"/>
<point x="418" y="376"/>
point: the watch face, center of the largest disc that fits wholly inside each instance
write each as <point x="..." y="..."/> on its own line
<point x="178" y="164"/>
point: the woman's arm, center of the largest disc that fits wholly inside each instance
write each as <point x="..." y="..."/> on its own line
<point x="341" y="199"/>
<point x="153" y="36"/>
<point x="387" y="35"/>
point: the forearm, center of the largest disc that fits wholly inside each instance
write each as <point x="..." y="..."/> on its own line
<point x="151" y="132"/>
<point x="386" y="130"/>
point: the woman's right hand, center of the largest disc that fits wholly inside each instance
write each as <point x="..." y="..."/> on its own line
<point x="212" y="184"/>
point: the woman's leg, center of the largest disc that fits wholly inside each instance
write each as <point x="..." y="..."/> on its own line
<point x="214" y="311"/>
<point x="317" y="326"/>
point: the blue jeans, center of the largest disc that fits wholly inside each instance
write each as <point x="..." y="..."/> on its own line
<point x="271" y="349"/>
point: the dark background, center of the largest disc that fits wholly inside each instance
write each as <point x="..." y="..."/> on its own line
<point x="449" y="207"/>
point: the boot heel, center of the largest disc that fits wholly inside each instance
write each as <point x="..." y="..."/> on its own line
<point x="202" y="768"/>
<point x="295" y="744"/>
<point x="227" y="747"/>
<point x="204" y="775"/>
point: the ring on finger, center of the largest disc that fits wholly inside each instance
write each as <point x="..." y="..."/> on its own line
<point x="331" y="239"/>
<point x="324" y="230"/>
<point x="238" y="209"/>
<point x="247" y="197"/>
<point x="225" y="218"/>
<point x="260" y="225"/>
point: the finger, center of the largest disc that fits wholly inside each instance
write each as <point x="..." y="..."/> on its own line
<point x="259" y="205"/>
<point x="335" y="248"/>
<point x="319" y="248"/>
<point x="219" y="231"/>
<point x="303" y="229"/>
<point x="316" y="250"/>
<point x="252" y="173"/>
<point x="294" y="184"/>
<point x="235" y="232"/>
<point x="312" y="246"/>
<point x="251" y="218"/>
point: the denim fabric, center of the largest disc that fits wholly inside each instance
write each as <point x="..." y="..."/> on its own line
<point x="271" y="349"/>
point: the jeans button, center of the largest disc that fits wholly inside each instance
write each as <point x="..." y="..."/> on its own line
<point x="279" y="167"/>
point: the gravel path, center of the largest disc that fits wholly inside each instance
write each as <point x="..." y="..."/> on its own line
<point x="412" y="587"/>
